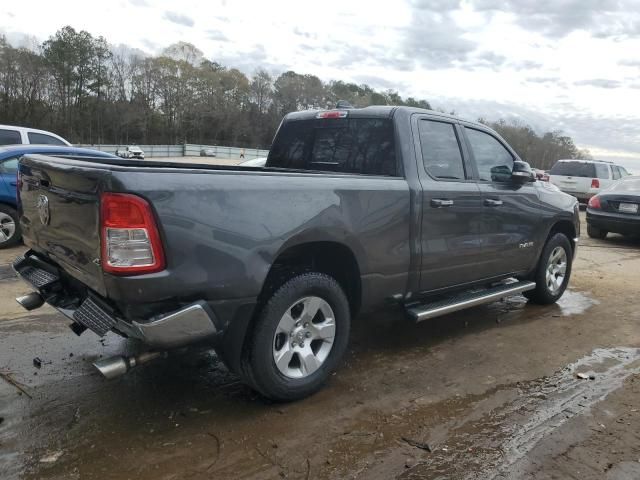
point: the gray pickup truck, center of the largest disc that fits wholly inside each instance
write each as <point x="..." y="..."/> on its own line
<point x="355" y="208"/>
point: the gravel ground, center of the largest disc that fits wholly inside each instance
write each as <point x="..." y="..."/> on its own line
<point x="487" y="393"/>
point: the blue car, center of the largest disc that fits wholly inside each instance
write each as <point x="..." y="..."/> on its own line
<point x="9" y="156"/>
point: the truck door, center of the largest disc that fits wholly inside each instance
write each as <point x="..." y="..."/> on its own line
<point x="451" y="206"/>
<point x="512" y="215"/>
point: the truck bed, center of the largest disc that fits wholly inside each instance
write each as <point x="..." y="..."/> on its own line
<point x="222" y="227"/>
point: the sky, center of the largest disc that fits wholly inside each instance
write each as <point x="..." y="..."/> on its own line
<point x="570" y="65"/>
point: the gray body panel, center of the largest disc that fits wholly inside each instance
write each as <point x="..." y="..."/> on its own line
<point x="223" y="227"/>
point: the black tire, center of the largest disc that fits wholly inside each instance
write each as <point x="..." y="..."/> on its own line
<point x="17" y="234"/>
<point x="542" y="294"/>
<point x="598" y="233"/>
<point x="259" y="367"/>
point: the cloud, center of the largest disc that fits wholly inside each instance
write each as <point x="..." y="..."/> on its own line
<point x="179" y="19"/>
<point x="376" y="55"/>
<point x="149" y="44"/>
<point x="379" y="82"/>
<point x="217" y="36"/>
<point x="525" y="65"/>
<point x="434" y="39"/>
<point x="489" y="60"/>
<point x="635" y="62"/>
<point x="436" y="5"/>
<point x="543" y="79"/>
<point x="558" y="18"/>
<point x="599" y="83"/>
<point x="247" y="61"/>
<point x="139" y="3"/>
<point x="302" y="33"/>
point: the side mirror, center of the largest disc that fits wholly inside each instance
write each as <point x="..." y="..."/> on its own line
<point x="522" y="172"/>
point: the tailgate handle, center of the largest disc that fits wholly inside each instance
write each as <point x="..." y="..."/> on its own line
<point x="441" y="202"/>
<point x="491" y="202"/>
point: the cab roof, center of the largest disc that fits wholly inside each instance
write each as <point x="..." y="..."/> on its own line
<point x="377" y="111"/>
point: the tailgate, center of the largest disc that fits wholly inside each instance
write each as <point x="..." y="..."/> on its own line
<point x="60" y="214"/>
<point x="571" y="184"/>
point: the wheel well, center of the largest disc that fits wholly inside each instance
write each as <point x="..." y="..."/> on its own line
<point x="566" y="228"/>
<point x="332" y="258"/>
<point x="6" y="204"/>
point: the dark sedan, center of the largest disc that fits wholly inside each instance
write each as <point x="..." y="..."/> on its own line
<point x="615" y="210"/>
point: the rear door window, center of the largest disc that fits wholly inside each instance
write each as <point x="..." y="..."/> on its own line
<point x="493" y="160"/>
<point x="576" y="169"/>
<point x="43" y="139"/>
<point x="10" y="137"/>
<point x="344" y="145"/>
<point x="441" y="150"/>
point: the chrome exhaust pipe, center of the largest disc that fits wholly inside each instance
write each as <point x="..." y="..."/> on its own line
<point x="30" y="301"/>
<point x="114" y="367"/>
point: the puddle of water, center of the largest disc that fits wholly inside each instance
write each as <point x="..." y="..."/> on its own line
<point x="486" y="446"/>
<point x="575" y="303"/>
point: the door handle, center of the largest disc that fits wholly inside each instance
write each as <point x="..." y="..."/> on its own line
<point x="441" y="202"/>
<point x="491" y="202"/>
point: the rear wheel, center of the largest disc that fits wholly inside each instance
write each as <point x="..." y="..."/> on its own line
<point x="553" y="271"/>
<point x="300" y="336"/>
<point x="9" y="227"/>
<point x="594" y="232"/>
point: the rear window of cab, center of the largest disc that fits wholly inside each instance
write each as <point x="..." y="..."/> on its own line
<point x="343" y="145"/>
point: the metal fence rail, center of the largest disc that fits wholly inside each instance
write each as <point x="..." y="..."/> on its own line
<point x="187" y="150"/>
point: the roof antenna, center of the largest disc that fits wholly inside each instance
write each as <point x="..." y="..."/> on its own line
<point x="343" y="105"/>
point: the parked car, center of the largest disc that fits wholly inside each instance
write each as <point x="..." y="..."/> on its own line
<point x="9" y="226"/>
<point x="12" y="135"/>
<point x="207" y="152"/>
<point x="132" y="151"/>
<point x="584" y="178"/>
<point x="270" y="265"/>
<point x="255" y="162"/>
<point x="541" y="175"/>
<point x="615" y="209"/>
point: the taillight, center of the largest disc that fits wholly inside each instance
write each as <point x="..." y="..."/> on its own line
<point x="333" y="114"/>
<point x="595" y="183"/>
<point x="594" y="202"/>
<point x="130" y="240"/>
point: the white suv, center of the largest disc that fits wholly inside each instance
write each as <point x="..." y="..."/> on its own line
<point x="584" y="178"/>
<point x="10" y="135"/>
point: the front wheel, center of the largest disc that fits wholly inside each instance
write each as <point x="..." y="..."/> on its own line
<point x="300" y="336"/>
<point x="553" y="271"/>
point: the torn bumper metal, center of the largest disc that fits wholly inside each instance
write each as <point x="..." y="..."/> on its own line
<point x="192" y="323"/>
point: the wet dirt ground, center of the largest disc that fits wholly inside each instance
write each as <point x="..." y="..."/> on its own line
<point x="491" y="392"/>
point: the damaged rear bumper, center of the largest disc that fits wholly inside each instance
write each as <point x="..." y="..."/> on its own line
<point x="189" y="324"/>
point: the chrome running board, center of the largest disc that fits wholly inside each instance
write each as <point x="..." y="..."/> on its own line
<point x="425" y="311"/>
